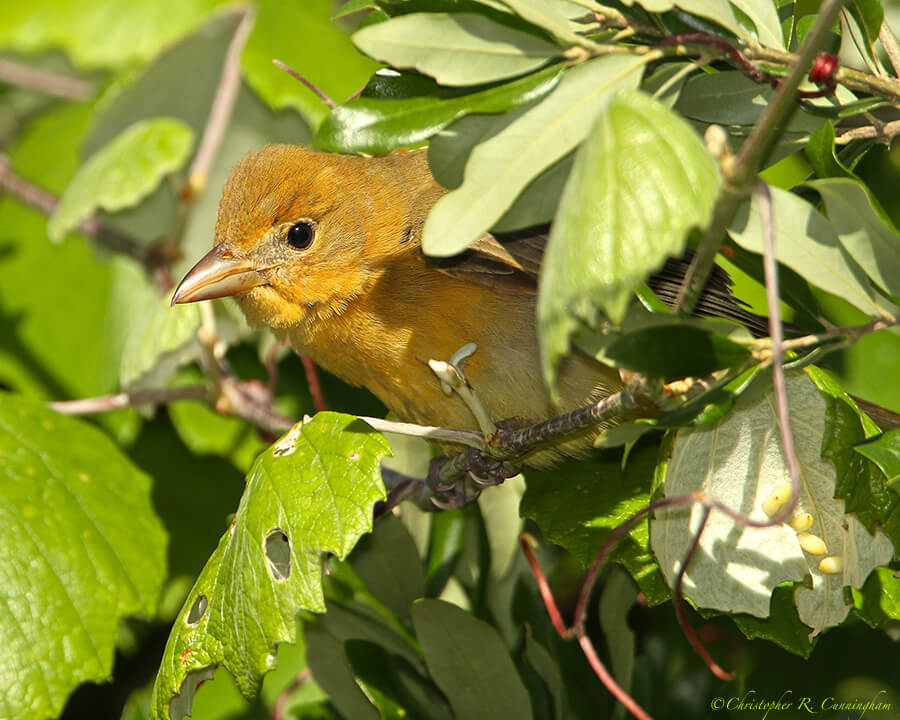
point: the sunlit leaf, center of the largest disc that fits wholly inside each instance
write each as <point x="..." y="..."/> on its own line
<point x="311" y="493"/>
<point x="81" y="549"/>
<point x="455" y="49"/>
<point x="123" y="173"/>
<point x="501" y="167"/>
<point x="640" y="183"/>
<point x="739" y="462"/>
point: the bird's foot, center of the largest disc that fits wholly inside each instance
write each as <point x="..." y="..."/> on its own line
<point x="459" y="480"/>
<point x="453" y="379"/>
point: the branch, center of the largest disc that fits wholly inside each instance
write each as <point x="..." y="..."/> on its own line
<point x="739" y="174"/>
<point x="222" y="107"/>
<point x="884" y="132"/>
<point x="321" y="94"/>
<point x="154" y="262"/>
<point x="108" y="403"/>
<point x="45" y="81"/>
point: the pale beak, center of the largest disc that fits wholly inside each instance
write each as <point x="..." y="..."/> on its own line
<point x="218" y="274"/>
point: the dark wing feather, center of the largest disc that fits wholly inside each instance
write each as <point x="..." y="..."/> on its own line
<point x="511" y="261"/>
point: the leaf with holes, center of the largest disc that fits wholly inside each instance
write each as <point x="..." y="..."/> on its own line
<point x="640" y="182"/>
<point x="77" y="517"/>
<point x="739" y="462"/>
<point x="309" y="494"/>
<point x="123" y="173"/>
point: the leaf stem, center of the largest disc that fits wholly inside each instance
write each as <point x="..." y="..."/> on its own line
<point x="45" y="81"/>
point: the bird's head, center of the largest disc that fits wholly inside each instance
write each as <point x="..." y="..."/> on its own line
<point x="301" y="233"/>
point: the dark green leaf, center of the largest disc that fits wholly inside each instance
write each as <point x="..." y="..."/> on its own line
<point x="81" y="549"/>
<point x="374" y="125"/>
<point x="884" y="451"/>
<point x="783" y="626"/>
<point x="579" y="504"/>
<point x="672" y="351"/>
<point x="879" y="599"/>
<point x="388" y="563"/>
<point x="469" y="662"/>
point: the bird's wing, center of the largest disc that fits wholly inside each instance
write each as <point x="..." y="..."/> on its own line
<point x="509" y="262"/>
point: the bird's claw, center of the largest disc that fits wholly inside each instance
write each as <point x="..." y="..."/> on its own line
<point x="454" y="487"/>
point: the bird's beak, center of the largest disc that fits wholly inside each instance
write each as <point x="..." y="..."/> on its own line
<point x="218" y="274"/>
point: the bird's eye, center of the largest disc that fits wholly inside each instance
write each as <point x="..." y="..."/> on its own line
<point x="300" y="235"/>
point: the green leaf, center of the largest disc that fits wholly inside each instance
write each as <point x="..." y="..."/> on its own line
<point x="537" y="203"/>
<point x="719" y="11"/>
<point x="869" y="14"/>
<point x="374" y="125"/>
<point x="81" y="549"/>
<point x="861" y="484"/>
<point x="42" y="352"/>
<point x="455" y="49"/>
<point x="863" y="230"/>
<point x="782" y="627"/>
<point x="806" y="242"/>
<point x="764" y="16"/>
<point x="160" y="342"/>
<point x="819" y="150"/>
<point x="388" y="563"/>
<point x="311" y="493"/>
<point x="546" y="14"/>
<point x="123" y="173"/>
<point x="878" y="601"/>
<point x="469" y="662"/>
<point x="303" y="36"/>
<point x="884" y="451"/>
<point x="641" y="181"/>
<point x="533" y="139"/>
<point x="739" y="462"/>
<point x="93" y="34"/>
<point x="579" y="504"/>
<point x="690" y="351"/>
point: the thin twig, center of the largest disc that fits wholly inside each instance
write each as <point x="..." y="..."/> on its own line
<point x="46" y="202"/>
<point x="45" y="81"/>
<point x="279" y="709"/>
<point x="890" y="45"/>
<point x="470" y="438"/>
<point x="108" y="403"/>
<point x="739" y="173"/>
<point x="886" y="131"/>
<point x="313" y="382"/>
<point x="222" y="107"/>
<point x="306" y="81"/>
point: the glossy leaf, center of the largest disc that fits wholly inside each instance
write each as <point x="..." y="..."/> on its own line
<point x="764" y="16"/>
<point x="374" y="125"/>
<point x="311" y="493"/>
<point x="469" y="662"/>
<point x="739" y="462"/>
<point x="81" y="549"/>
<point x="878" y="601"/>
<point x="533" y="139"/>
<point x="863" y="230"/>
<point x="884" y="451"/>
<point x="806" y="242"/>
<point x="640" y="183"/>
<point x="123" y="173"/>
<point x="455" y="49"/>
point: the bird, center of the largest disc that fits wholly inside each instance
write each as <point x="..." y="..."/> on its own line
<point x="325" y="249"/>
